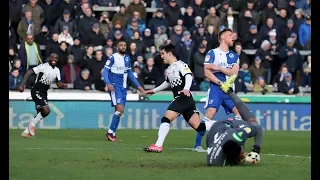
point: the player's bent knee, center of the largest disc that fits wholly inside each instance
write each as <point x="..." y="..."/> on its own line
<point x="165" y="120"/>
<point x="211" y="112"/>
<point x="201" y="127"/>
<point x="45" y="112"/>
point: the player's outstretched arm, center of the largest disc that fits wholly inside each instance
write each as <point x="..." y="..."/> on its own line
<point x="161" y="87"/>
<point x="134" y="80"/>
<point x="25" y="79"/>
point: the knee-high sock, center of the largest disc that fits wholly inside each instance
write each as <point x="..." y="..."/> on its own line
<point x="162" y="133"/>
<point x="115" y="122"/>
<point x="34" y="122"/>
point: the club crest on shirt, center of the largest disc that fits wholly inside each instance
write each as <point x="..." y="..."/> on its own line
<point x="108" y="62"/>
<point x="231" y="55"/>
<point x="207" y="58"/>
<point x="126" y="58"/>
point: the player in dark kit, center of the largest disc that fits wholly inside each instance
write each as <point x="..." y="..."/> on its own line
<point x="179" y="77"/>
<point x="46" y="74"/>
<point x="226" y="139"/>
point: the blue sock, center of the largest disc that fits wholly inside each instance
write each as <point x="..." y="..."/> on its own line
<point x="199" y="137"/>
<point x="115" y="122"/>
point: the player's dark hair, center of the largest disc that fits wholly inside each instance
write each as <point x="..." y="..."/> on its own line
<point x="232" y="152"/>
<point x="169" y="48"/>
<point x="223" y="31"/>
<point x="121" y="40"/>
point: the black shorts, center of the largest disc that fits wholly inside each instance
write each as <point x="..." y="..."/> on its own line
<point x="39" y="98"/>
<point x="185" y="106"/>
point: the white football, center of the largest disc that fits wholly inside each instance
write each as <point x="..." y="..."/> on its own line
<point x="253" y="158"/>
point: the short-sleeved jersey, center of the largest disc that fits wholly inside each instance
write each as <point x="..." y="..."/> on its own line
<point x="221" y="59"/>
<point x="175" y="76"/>
<point x="119" y="66"/>
<point x="46" y="74"/>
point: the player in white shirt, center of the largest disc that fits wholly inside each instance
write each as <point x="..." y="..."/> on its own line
<point x="46" y="74"/>
<point x="220" y="63"/>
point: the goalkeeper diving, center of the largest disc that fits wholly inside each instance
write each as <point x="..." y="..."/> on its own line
<point x="226" y="139"/>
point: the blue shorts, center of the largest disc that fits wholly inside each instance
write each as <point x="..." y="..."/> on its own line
<point x="118" y="96"/>
<point x="217" y="97"/>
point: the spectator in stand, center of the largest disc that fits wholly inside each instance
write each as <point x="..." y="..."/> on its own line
<point x="198" y="36"/>
<point x="37" y="12"/>
<point x="95" y="67"/>
<point x="204" y="85"/>
<point x="211" y="37"/>
<point x="246" y="21"/>
<point x="296" y="43"/>
<point x="275" y="44"/>
<point x="198" y="60"/>
<point x="266" y="28"/>
<point x="291" y="8"/>
<point x="280" y="76"/>
<point x="84" y="81"/>
<point x="261" y="87"/>
<point x="12" y="56"/>
<point x="81" y="11"/>
<point x="256" y="69"/>
<point x="84" y="63"/>
<point x="213" y="19"/>
<point x="97" y="39"/>
<point x="291" y="57"/>
<point x="188" y="17"/>
<point x="288" y="86"/>
<point x="65" y="36"/>
<point x="70" y="71"/>
<point x="199" y="8"/>
<point x="137" y="5"/>
<point x="254" y="13"/>
<point x="78" y="51"/>
<point x="239" y="85"/>
<point x="268" y="11"/>
<point x="15" y="7"/>
<point x="43" y="38"/>
<point x="121" y="17"/>
<point x="176" y="35"/>
<point x="286" y="32"/>
<point x="105" y="24"/>
<point x="133" y="52"/>
<point x="305" y="31"/>
<point x="141" y="22"/>
<point x="30" y="53"/>
<point x="306" y="76"/>
<point x="132" y="28"/>
<point x="180" y="22"/>
<point x="150" y="72"/>
<point x="245" y="75"/>
<point x="105" y="3"/>
<point x="197" y="22"/>
<point x="242" y="55"/>
<point x="156" y="21"/>
<point x="302" y="4"/>
<point x="172" y="13"/>
<point x="108" y="52"/>
<point x="138" y="40"/>
<point x="85" y="26"/>
<point x="12" y="37"/>
<point x="140" y="62"/>
<point x="264" y="52"/>
<point x="281" y="20"/>
<point x="160" y="37"/>
<point x="52" y="46"/>
<point x="50" y="15"/>
<point x="17" y="64"/>
<point x="69" y="5"/>
<point x="185" y="47"/>
<point x="194" y="85"/>
<point x="298" y="18"/>
<point x="63" y="54"/>
<point x="15" y="79"/>
<point x="230" y="21"/>
<point x="66" y="20"/>
<point x="223" y="10"/>
<point x="27" y="26"/>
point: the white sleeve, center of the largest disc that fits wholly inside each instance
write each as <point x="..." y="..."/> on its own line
<point x="58" y="74"/>
<point x="184" y="68"/>
<point x="40" y="68"/>
<point x="188" y="81"/>
<point x="163" y="86"/>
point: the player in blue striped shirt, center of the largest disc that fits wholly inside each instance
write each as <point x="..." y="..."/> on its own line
<point x="115" y="74"/>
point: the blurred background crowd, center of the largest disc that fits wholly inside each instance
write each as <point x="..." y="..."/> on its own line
<point x="270" y="38"/>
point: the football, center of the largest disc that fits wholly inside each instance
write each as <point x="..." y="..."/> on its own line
<point x="253" y="158"/>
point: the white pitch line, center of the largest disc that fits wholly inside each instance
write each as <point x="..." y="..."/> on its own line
<point x="111" y="148"/>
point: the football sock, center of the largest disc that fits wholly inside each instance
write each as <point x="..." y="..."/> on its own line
<point x="115" y="122"/>
<point x="36" y="119"/>
<point x="199" y="137"/>
<point x="162" y="133"/>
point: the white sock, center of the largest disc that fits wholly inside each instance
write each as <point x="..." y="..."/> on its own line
<point x="36" y="120"/>
<point x="110" y="131"/>
<point x="114" y="134"/>
<point x="209" y="124"/>
<point x="162" y="133"/>
<point x="26" y="130"/>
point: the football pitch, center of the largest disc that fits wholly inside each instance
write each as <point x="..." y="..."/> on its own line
<point x="85" y="154"/>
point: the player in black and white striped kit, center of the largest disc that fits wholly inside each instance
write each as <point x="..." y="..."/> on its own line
<point x="46" y="74"/>
<point x="179" y="78"/>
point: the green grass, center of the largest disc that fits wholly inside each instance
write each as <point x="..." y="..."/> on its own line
<point x="47" y="157"/>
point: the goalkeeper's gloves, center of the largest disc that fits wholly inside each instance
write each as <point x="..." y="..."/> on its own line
<point x="255" y="148"/>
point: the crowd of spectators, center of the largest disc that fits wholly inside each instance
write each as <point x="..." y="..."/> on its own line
<point x="84" y="38"/>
